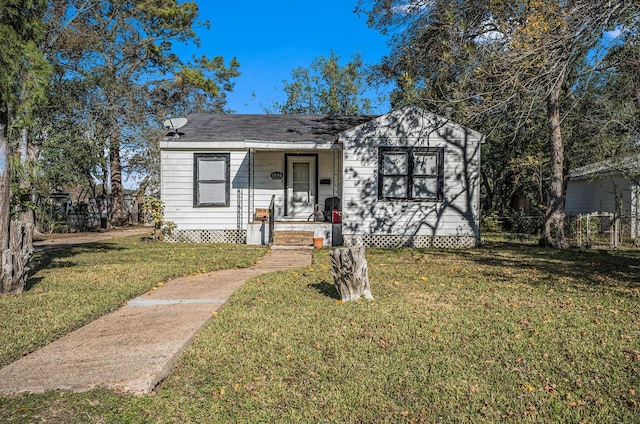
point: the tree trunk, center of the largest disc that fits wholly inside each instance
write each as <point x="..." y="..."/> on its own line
<point x="5" y="184"/>
<point x="488" y="201"/>
<point x="27" y="156"/>
<point x="554" y="223"/>
<point x="350" y="274"/>
<point x="15" y="259"/>
<point x="16" y="246"/>
<point x="24" y="144"/>
<point x="118" y="217"/>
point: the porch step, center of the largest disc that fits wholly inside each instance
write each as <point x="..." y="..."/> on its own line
<point x="293" y="238"/>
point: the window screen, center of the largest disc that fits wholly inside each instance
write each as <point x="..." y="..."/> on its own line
<point x="211" y="175"/>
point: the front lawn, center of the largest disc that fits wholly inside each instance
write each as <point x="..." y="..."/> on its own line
<point x="498" y="333"/>
<point x="69" y="287"/>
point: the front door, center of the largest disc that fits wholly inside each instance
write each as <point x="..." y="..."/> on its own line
<point x="301" y="186"/>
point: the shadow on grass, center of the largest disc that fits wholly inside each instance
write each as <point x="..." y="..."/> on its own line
<point x="60" y="257"/>
<point x="591" y="267"/>
<point x="327" y="289"/>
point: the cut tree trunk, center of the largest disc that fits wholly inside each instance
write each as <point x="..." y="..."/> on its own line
<point x="350" y="273"/>
<point x="15" y="259"/>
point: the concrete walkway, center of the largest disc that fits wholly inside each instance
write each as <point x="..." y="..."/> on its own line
<point x="132" y="349"/>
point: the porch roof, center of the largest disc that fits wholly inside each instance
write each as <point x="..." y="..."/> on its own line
<point x="282" y="129"/>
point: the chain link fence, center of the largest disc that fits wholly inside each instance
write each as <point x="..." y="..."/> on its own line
<point x="597" y="230"/>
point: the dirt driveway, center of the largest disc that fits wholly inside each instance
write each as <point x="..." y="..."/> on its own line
<point x="56" y="241"/>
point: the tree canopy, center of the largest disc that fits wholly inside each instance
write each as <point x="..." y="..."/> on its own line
<point x="24" y="76"/>
<point x="117" y="69"/>
<point x="327" y="87"/>
<point x="506" y="68"/>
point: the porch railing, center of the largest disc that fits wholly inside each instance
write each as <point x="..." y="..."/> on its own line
<point x="272" y="218"/>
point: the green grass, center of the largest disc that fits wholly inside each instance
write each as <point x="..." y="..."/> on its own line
<point x="499" y="333"/>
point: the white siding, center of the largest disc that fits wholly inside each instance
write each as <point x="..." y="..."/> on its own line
<point x="263" y="186"/>
<point x="598" y="195"/>
<point x="264" y="163"/>
<point x="329" y="167"/>
<point x="456" y="215"/>
<point x="177" y="169"/>
<point x="353" y="178"/>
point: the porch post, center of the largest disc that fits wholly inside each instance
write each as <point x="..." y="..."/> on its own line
<point x="250" y="185"/>
<point x="336" y="175"/>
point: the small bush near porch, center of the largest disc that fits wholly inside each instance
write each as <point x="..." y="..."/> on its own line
<point x="498" y="333"/>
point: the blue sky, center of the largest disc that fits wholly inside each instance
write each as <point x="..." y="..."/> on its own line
<point x="271" y="38"/>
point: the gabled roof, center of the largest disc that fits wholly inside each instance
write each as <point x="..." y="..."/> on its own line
<point x="629" y="164"/>
<point x="413" y="122"/>
<point x="277" y="128"/>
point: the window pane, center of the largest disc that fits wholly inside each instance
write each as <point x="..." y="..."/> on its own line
<point x="301" y="178"/>
<point x="212" y="193"/>
<point x="425" y="164"/>
<point x="211" y="169"/>
<point x="425" y="188"/>
<point x="395" y="163"/>
<point x="395" y="187"/>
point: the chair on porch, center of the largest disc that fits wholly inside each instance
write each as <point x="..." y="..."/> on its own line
<point x="330" y="204"/>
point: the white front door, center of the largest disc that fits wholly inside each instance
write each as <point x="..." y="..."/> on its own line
<point x="301" y="186"/>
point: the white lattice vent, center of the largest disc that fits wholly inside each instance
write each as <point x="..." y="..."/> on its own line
<point x="208" y="236"/>
<point x="394" y="241"/>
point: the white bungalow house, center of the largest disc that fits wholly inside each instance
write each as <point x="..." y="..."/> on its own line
<point x="407" y="178"/>
<point x="606" y="187"/>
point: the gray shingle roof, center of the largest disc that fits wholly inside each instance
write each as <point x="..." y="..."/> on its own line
<point x="287" y="128"/>
<point x="627" y="165"/>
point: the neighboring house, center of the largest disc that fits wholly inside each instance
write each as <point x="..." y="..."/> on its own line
<point x="604" y="187"/>
<point x="407" y="178"/>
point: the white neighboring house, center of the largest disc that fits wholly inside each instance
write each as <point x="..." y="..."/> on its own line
<point x="605" y="187"/>
<point x="407" y="178"/>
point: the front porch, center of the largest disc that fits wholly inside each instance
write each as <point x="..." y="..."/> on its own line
<point x="294" y="188"/>
<point x="300" y="179"/>
<point x="259" y="233"/>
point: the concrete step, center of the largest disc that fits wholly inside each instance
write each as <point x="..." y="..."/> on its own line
<point x="293" y="238"/>
<point x="275" y="247"/>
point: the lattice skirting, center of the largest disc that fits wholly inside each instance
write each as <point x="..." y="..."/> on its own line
<point x="207" y="236"/>
<point x="387" y="241"/>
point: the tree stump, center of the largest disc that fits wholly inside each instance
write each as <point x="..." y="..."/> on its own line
<point x="350" y="274"/>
